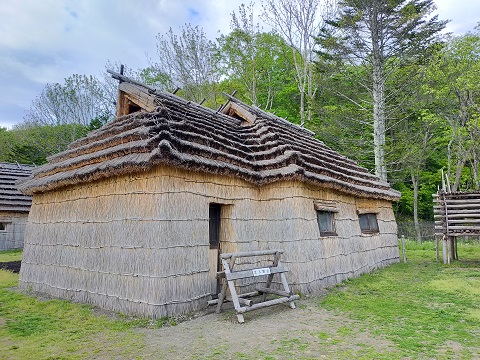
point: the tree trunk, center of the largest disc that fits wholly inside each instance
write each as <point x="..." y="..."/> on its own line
<point x="300" y="73"/>
<point x="461" y="159"/>
<point x="453" y="252"/>
<point x="415" y="205"/>
<point x="378" y="94"/>
<point x="379" y="121"/>
<point x="311" y="93"/>
<point x="475" y="161"/>
<point x="302" y="108"/>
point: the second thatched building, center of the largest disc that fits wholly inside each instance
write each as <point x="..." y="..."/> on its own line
<point x="14" y="206"/>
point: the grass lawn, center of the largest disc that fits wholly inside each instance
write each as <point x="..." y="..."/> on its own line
<point x="427" y="309"/>
<point x="424" y="309"/>
<point x="10" y="255"/>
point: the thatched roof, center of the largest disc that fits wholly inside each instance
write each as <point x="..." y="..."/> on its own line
<point x="239" y="141"/>
<point x="10" y="198"/>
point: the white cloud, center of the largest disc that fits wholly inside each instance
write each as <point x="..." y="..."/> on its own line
<point x="45" y="41"/>
<point x="464" y="14"/>
<point x="30" y="24"/>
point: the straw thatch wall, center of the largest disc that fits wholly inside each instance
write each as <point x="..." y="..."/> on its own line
<point x="14" y="227"/>
<point x="139" y="243"/>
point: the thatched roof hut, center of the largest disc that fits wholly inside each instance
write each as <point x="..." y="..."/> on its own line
<point x="132" y="217"/>
<point x="14" y="206"/>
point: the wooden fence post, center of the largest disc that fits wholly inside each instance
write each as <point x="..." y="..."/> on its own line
<point x="404" y="251"/>
<point x="444" y="249"/>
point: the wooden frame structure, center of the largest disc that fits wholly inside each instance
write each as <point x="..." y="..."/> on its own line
<point x="456" y="214"/>
<point x="231" y="275"/>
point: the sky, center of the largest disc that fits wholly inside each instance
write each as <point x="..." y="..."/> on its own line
<point x="46" y="41"/>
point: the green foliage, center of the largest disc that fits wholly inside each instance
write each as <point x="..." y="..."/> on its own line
<point x="61" y="114"/>
<point x="155" y="77"/>
<point x="260" y="64"/>
<point x="433" y="120"/>
<point x="345" y="126"/>
<point x="98" y="122"/>
<point x="33" y="143"/>
<point x="453" y="89"/>
<point x="186" y="60"/>
<point x="5" y="143"/>
<point x="286" y="103"/>
<point x="384" y="38"/>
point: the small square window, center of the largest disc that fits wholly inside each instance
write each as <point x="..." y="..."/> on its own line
<point x="3" y="226"/>
<point x="368" y="223"/>
<point x="326" y="223"/>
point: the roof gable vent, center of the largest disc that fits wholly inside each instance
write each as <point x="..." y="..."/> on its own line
<point x="239" y="112"/>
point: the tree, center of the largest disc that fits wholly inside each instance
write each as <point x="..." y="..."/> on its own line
<point x="414" y="142"/>
<point x="109" y="85"/>
<point x="381" y="35"/>
<point x="32" y="143"/>
<point x="5" y="144"/>
<point x="344" y="108"/>
<point x="298" y="21"/>
<point x="259" y="61"/>
<point x="453" y="84"/>
<point x="61" y="114"/>
<point x="188" y="61"/>
<point x="238" y="52"/>
<point x="78" y="101"/>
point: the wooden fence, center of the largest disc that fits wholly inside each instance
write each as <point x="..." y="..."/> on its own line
<point x="457" y="214"/>
<point x="407" y="229"/>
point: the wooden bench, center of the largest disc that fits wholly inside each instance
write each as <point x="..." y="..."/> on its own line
<point x="240" y="302"/>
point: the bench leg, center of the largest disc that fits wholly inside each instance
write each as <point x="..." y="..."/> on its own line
<point x="240" y="318"/>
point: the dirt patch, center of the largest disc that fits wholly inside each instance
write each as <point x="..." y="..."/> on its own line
<point x="13" y="266"/>
<point x="308" y="331"/>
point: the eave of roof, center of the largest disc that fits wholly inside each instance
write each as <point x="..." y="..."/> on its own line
<point x="11" y="199"/>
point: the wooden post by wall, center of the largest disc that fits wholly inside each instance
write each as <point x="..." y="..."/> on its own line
<point x="449" y="246"/>
<point x="444" y="249"/>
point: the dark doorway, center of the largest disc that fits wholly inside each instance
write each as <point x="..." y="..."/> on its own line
<point x="214" y="213"/>
<point x="214" y="239"/>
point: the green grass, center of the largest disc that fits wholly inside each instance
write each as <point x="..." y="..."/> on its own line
<point x="57" y="329"/>
<point x="10" y="255"/>
<point x="423" y="306"/>
<point x="418" y="310"/>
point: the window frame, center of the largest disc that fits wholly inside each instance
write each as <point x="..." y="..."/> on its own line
<point x="369" y="216"/>
<point x="3" y="226"/>
<point x="332" y="231"/>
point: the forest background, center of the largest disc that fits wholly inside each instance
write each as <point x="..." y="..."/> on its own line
<point x="376" y="80"/>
